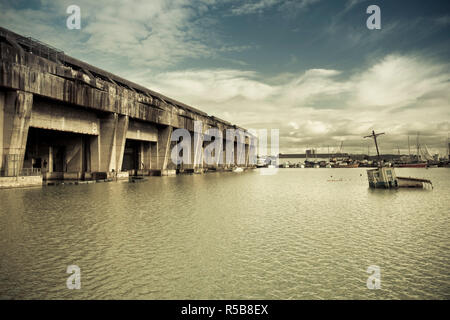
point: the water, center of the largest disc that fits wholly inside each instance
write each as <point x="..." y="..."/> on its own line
<point x="294" y="235"/>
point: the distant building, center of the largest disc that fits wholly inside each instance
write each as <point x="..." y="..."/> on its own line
<point x="310" y="153"/>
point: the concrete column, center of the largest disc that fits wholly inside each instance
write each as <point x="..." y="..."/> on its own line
<point x="50" y="159"/>
<point x="224" y="153"/>
<point x="2" y="117"/>
<point x="74" y="155"/>
<point x="251" y="156"/>
<point x="197" y="150"/>
<point x="153" y="155"/>
<point x="191" y="164"/>
<point x="162" y="150"/>
<point x="146" y="155"/>
<point x="141" y="164"/>
<point x="216" y="154"/>
<point x="241" y="153"/>
<point x="108" y="148"/>
<point x="121" y="136"/>
<point x="197" y="138"/>
<point x="236" y="154"/>
<point x="87" y="153"/>
<point x="219" y="156"/>
<point x="230" y="152"/>
<point x="107" y="143"/>
<point x="247" y="154"/>
<point x="15" y="113"/>
<point x="94" y="153"/>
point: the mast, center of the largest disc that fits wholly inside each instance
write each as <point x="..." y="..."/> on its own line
<point x="374" y="136"/>
<point x="448" y="147"/>
<point x="417" y="142"/>
<point x="409" y="149"/>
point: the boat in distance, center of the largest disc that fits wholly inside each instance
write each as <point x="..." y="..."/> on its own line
<point x="412" y="165"/>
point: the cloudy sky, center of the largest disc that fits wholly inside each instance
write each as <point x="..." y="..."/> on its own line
<point x="310" y="68"/>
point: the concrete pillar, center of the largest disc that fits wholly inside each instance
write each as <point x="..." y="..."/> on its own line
<point x="197" y="150"/>
<point x="107" y="138"/>
<point x="141" y="164"/>
<point x="146" y="155"/>
<point x="74" y="155"/>
<point x="189" y="165"/>
<point x="251" y="149"/>
<point x="241" y="153"/>
<point x="224" y="153"/>
<point x="219" y="156"/>
<point x="153" y="150"/>
<point x="197" y="138"/>
<point x="230" y="152"/>
<point x="2" y="117"/>
<point x="121" y="136"/>
<point x="213" y="147"/>
<point x="15" y="113"/>
<point x="107" y="149"/>
<point x="247" y="154"/>
<point x="87" y="153"/>
<point x="94" y="153"/>
<point x="254" y="151"/>
<point x="236" y="154"/>
<point x="50" y="159"/>
<point x="162" y="151"/>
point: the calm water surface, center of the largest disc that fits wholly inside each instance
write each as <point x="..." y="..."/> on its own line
<point x="293" y="235"/>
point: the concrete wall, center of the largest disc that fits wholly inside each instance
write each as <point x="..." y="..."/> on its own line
<point x="56" y="116"/>
<point x="15" y="113"/>
<point x="19" y="182"/>
<point x="142" y="131"/>
<point x="104" y="111"/>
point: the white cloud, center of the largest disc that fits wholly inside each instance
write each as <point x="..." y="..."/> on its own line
<point x="259" y="6"/>
<point x="139" y="40"/>
<point x="137" y="34"/>
<point x="398" y="94"/>
<point x="148" y="33"/>
<point x="398" y="81"/>
<point x="253" y="7"/>
<point x="216" y="86"/>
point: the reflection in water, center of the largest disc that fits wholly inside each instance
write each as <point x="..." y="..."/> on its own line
<point x="299" y="234"/>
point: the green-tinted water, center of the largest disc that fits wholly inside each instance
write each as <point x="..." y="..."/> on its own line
<point x="299" y="234"/>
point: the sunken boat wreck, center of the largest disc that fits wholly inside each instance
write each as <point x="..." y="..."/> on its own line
<point x="385" y="177"/>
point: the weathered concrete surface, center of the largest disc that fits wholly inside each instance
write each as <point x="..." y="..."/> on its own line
<point x="20" y="182"/>
<point x="138" y="130"/>
<point x="15" y="114"/>
<point x="53" y="116"/>
<point x="33" y="74"/>
<point x="102" y="110"/>
<point x="121" y="136"/>
<point x="162" y="151"/>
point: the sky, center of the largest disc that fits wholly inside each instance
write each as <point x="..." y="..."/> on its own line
<point x="310" y="68"/>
